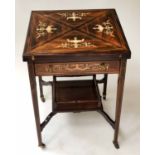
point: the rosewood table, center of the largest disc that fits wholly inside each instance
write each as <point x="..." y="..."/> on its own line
<point x="76" y="43"/>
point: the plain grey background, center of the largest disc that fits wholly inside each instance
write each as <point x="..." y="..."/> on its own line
<point x="82" y="133"/>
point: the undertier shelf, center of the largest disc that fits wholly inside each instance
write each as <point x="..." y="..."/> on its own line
<point x="76" y="96"/>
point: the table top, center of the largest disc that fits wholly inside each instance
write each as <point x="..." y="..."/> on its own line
<point x="67" y="33"/>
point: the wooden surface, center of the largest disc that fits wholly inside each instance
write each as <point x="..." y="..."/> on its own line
<point x="76" y="42"/>
<point x="76" y="95"/>
<point x="75" y="33"/>
<point x="77" y="68"/>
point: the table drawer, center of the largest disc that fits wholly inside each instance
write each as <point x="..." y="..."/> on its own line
<point x="84" y="68"/>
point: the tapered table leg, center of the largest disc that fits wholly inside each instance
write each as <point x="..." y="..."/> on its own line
<point x="120" y="88"/>
<point x="35" y="102"/>
<point x="41" y="89"/>
<point x="105" y="86"/>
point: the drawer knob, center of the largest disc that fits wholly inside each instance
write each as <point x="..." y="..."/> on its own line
<point x="104" y="66"/>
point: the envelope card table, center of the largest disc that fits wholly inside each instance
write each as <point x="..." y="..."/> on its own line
<point x="76" y="43"/>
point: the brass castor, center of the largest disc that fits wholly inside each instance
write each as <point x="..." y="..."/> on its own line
<point x="42" y="145"/>
<point x="116" y="144"/>
<point x="104" y="97"/>
<point x="42" y="98"/>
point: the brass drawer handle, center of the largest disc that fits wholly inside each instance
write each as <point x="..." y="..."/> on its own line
<point x="104" y="66"/>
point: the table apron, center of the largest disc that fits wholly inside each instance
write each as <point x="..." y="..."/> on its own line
<point x="77" y="68"/>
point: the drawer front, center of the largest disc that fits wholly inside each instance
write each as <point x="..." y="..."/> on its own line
<point x="79" y="68"/>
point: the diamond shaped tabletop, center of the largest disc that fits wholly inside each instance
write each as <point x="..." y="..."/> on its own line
<point x="75" y="32"/>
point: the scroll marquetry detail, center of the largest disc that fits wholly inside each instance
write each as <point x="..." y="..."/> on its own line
<point x="76" y="68"/>
<point x="43" y="29"/>
<point x="74" y="16"/>
<point x="106" y="27"/>
<point x="76" y="43"/>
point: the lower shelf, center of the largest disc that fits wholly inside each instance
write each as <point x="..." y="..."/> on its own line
<point x="76" y="96"/>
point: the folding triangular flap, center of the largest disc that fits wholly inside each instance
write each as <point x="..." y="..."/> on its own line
<point x="103" y="27"/>
<point x="76" y="17"/>
<point x="74" y="41"/>
<point x="45" y="29"/>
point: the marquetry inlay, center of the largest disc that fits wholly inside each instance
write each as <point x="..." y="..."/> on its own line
<point x="105" y="27"/>
<point x="74" y="16"/>
<point x="77" y="67"/>
<point x="76" y="43"/>
<point x="72" y="31"/>
<point x="43" y="29"/>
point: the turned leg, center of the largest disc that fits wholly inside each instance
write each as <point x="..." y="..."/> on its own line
<point x="32" y="79"/>
<point x="105" y="86"/>
<point x="120" y="87"/>
<point x="41" y="89"/>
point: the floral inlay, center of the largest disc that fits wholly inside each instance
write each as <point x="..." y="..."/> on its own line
<point x="74" y="16"/>
<point x="76" y="43"/>
<point x="43" y="29"/>
<point x="106" y="28"/>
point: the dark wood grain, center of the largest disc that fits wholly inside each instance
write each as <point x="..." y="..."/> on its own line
<point x="76" y="95"/>
<point x="76" y="43"/>
<point x="120" y="88"/>
<point x="105" y="86"/>
<point x="35" y="102"/>
<point x="41" y="89"/>
<point x="77" y="68"/>
<point x="79" y="33"/>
